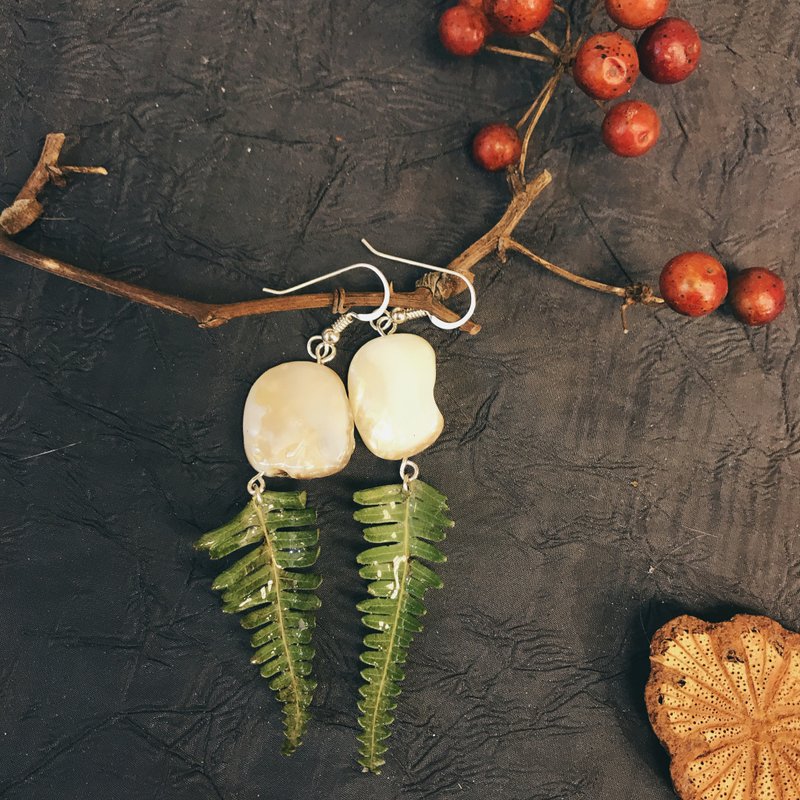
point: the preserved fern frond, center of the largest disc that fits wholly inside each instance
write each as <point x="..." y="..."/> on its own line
<point x="403" y="523"/>
<point x="278" y="600"/>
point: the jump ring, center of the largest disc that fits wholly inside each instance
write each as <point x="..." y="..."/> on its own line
<point x="408" y="476"/>
<point x="256" y="485"/>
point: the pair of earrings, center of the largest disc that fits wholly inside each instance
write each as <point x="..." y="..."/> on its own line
<point x="299" y="422"/>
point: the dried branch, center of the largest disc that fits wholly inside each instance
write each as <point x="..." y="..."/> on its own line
<point x="212" y="315"/>
<point x="26" y="209"/>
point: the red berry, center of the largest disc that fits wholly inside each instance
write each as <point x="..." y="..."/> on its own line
<point x="636" y="14"/>
<point x="463" y="30"/>
<point x="606" y="66"/>
<point x="517" y="17"/>
<point x="631" y="128"/>
<point x="669" y="51"/>
<point x="757" y="296"/>
<point x="694" y="284"/>
<point x="496" y="147"/>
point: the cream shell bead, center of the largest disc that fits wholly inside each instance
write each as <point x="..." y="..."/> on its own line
<point x="390" y="383"/>
<point x="297" y="422"/>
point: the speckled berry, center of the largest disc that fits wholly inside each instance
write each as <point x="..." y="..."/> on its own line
<point x="694" y="284"/>
<point x="463" y="30"/>
<point x="606" y="66"/>
<point x="757" y="296"/>
<point x="631" y="128"/>
<point x="517" y="17"/>
<point x="669" y="52"/>
<point x="496" y="147"/>
<point x="636" y="14"/>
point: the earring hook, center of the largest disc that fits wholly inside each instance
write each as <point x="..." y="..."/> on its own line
<point x="439" y="323"/>
<point x="360" y="265"/>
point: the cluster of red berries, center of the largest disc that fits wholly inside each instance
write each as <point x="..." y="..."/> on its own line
<point x="464" y="28"/>
<point x="605" y="66"/>
<point x="608" y="64"/>
<point x="695" y="284"/>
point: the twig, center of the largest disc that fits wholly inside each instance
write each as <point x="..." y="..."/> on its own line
<point x="587" y="283"/>
<point x="518" y="53"/>
<point x="85" y="170"/>
<point x="26" y="209"/>
<point x="637" y="293"/>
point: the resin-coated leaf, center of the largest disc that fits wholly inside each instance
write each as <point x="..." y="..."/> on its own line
<point x="278" y="601"/>
<point x="404" y="523"/>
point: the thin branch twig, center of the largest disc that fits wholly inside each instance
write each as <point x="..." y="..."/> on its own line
<point x="517" y="54"/>
<point x="587" y="283"/>
<point x="431" y="290"/>
<point x="637" y="293"/>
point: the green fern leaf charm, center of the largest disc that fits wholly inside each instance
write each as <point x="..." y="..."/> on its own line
<point x="278" y="600"/>
<point x="403" y="523"/>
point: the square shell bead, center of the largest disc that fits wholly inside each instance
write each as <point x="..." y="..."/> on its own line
<point x="297" y="422"/>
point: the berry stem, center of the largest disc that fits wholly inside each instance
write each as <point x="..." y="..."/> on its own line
<point x="491" y="48"/>
<point x="539" y="105"/>
<point x="527" y="115"/>
<point x="567" y="22"/>
<point x="548" y="43"/>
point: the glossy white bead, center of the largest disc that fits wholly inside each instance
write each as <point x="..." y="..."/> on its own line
<point x="298" y="422"/>
<point x="390" y="383"/>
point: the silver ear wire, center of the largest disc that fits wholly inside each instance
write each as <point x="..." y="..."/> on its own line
<point x="361" y="265"/>
<point x="439" y="323"/>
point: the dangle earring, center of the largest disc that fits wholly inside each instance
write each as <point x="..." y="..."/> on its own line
<point x="297" y="424"/>
<point x="391" y="388"/>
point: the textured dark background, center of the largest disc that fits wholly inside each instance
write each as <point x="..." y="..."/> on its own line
<point x="601" y="482"/>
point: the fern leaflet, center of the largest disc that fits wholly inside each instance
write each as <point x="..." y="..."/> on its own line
<point x="278" y="600"/>
<point x="403" y="523"/>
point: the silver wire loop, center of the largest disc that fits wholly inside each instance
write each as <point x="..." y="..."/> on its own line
<point x="322" y="347"/>
<point x="256" y="485"/>
<point x="360" y="265"/>
<point x="439" y="323"/>
<point x="409" y="471"/>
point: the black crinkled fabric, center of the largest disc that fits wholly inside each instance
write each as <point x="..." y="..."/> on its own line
<point x="601" y="483"/>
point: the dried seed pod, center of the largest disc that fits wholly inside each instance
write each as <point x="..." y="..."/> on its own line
<point x="725" y="701"/>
